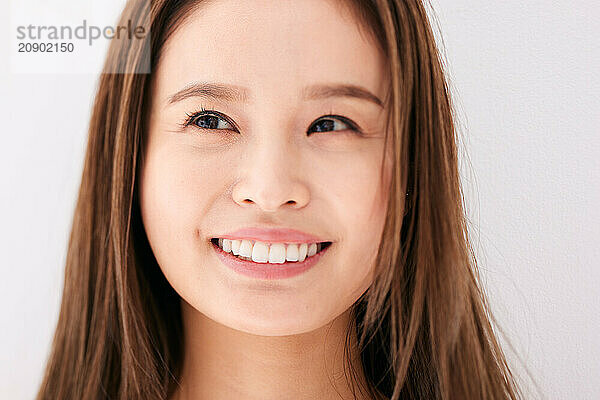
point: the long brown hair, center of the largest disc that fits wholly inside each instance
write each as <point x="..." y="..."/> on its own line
<point x="424" y="329"/>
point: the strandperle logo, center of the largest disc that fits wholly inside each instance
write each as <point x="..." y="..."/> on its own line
<point x="83" y="31"/>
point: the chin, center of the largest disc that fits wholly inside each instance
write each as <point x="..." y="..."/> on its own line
<point x="268" y="325"/>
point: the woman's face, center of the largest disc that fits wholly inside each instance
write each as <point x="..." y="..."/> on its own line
<point x="266" y="157"/>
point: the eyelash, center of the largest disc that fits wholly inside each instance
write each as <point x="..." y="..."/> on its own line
<point x="189" y="120"/>
<point x="191" y="117"/>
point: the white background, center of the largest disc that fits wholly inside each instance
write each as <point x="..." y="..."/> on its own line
<point x="525" y="81"/>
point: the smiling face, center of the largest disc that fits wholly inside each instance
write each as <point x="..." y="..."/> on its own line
<point x="269" y="154"/>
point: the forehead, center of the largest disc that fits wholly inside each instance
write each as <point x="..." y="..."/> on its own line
<point x="271" y="47"/>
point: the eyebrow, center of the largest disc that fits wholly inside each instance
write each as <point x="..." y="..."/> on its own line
<point x="232" y="93"/>
<point x="324" y="91"/>
<point x="215" y="91"/>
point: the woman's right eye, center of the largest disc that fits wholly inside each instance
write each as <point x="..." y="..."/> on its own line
<point x="211" y="120"/>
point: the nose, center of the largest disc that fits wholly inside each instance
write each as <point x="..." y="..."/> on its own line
<point x="271" y="175"/>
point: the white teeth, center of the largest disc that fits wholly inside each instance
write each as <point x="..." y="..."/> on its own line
<point x="275" y="253"/>
<point x="246" y="248"/>
<point x="292" y="252"/>
<point x="302" y="252"/>
<point x="260" y="252"/>
<point x="235" y="246"/>
<point x="312" y="249"/>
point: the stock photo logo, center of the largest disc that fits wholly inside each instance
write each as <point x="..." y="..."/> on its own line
<point x="75" y="38"/>
<point x="83" y="32"/>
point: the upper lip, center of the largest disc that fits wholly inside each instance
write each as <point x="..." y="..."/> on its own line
<point x="272" y="235"/>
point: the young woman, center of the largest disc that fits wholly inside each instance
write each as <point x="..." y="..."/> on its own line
<point x="274" y="212"/>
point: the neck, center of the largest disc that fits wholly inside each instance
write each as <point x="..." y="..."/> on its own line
<point x="224" y="363"/>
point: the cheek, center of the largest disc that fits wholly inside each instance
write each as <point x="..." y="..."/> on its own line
<point x="359" y="200"/>
<point x="175" y="191"/>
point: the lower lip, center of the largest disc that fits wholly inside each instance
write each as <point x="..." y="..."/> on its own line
<point x="267" y="270"/>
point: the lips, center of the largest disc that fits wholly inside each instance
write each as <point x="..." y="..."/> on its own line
<point x="266" y="270"/>
<point x="272" y="235"/>
<point x="275" y="253"/>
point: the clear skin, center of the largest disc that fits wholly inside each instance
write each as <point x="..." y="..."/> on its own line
<point x="266" y="165"/>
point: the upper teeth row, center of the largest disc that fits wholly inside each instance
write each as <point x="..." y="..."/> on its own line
<point x="275" y="253"/>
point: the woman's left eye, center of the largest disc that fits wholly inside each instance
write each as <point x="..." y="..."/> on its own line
<point x="331" y="123"/>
